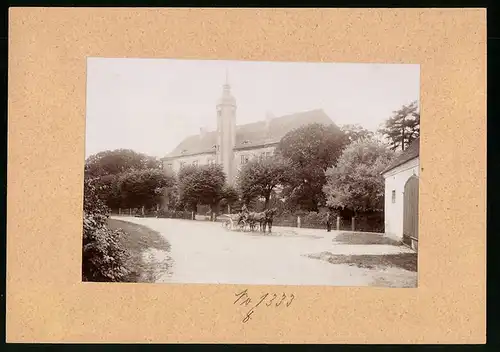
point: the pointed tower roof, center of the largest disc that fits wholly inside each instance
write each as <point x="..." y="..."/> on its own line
<point x="226" y="98"/>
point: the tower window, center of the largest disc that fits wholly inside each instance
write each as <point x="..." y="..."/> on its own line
<point x="393" y="196"/>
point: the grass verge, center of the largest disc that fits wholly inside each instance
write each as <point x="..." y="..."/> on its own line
<point x="147" y="249"/>
<point x="365" y="238"/>
<point x="406" y="261"/>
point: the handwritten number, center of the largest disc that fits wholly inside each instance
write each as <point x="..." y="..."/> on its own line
<point x="271" y="301"/>
<point x="248" y="316"/>
<point x="282" y="299"/>
<point x="246" y="300"/>
<point x="262" y="298"/>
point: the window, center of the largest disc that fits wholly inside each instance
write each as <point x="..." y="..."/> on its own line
<point x="169" y="166"/>
<point x="182" y="163"/>
<point x="393" y="196"/>
<point x="268" y="154"/>
<point x="211" y="161"/>
<point x="244" y="159"/>
<point x="195" y="163"/>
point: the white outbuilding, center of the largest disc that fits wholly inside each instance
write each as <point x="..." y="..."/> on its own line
<point x="401" y="196"/>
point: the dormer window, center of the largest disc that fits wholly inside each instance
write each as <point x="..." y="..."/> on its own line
<point x="246" y="141"/>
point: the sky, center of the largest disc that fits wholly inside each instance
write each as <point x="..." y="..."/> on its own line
<point x="151" y="105"/>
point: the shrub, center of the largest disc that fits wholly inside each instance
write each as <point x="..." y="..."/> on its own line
<point x="174" y="214"/>
<point x="103" y="259"/>
<point x="314" y="219"/>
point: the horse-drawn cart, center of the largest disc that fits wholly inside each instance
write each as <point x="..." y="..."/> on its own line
<point x="249" y="220"/>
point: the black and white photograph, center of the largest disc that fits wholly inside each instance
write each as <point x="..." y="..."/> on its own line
<point x="247" y="172"/>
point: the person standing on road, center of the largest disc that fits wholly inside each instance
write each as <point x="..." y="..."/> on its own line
<point x="328" y="221"/>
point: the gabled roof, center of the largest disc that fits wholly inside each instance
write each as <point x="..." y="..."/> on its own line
<point x="251" y="135"/>
<point x="410" y="153"/>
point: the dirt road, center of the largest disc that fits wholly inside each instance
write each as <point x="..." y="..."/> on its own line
<point x="204" y="252"/>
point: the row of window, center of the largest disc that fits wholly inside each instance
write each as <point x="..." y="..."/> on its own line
<point x="194" y="163"/>
<point x="245" y="158"/>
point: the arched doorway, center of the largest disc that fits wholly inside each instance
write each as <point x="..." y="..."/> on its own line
<point x="410" y="213"/>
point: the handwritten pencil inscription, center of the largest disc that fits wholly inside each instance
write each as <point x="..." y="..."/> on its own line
<point x="271" y="300"/>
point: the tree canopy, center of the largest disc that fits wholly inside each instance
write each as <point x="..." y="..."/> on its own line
<point x="229" y="196"/>
<point x="118" y="175"/>
<point x="143" y="187"/>
<point x="114" y="162"/>
<point x="354" y="132"/>
<point x="201" y="184"/>
<point x="355" y="183"/>
<point x="310" y="149"/>
<point x="258" y="178"/>
<point x="403" y="127"/>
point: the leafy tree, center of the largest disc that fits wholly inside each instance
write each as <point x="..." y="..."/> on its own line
<point x="201" y="185"/>
<point x="258" y="178"/>
<point x="187" y="196"/>
<point x="403" y="127"/>
<point x="103" y="258"/>
<point x="170" y="197"/>
<point x="143" y="187"/>
<point x="108" y="190"/>
<point x="310" y="149"/>
<point x="356" y="132"/>
<point x="114" y="162"/>
<point x="229" y="196"/>
<point x="355" y="183"/>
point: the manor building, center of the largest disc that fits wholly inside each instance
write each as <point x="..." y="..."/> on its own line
<point x="233" y="145"/>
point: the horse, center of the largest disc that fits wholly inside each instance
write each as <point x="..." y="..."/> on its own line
<point x="268" y="219"/>
<point x="255" y="218"/>
<point x="252" y="219"/>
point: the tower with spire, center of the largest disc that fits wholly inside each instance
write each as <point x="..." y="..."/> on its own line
<point x="226" y="131"/>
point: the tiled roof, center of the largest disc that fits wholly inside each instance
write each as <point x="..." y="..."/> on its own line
<point x="250" y="135"/>
<point x="410" y="153"/>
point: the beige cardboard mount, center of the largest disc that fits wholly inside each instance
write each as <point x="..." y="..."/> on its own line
<point x="46" y="300"/>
